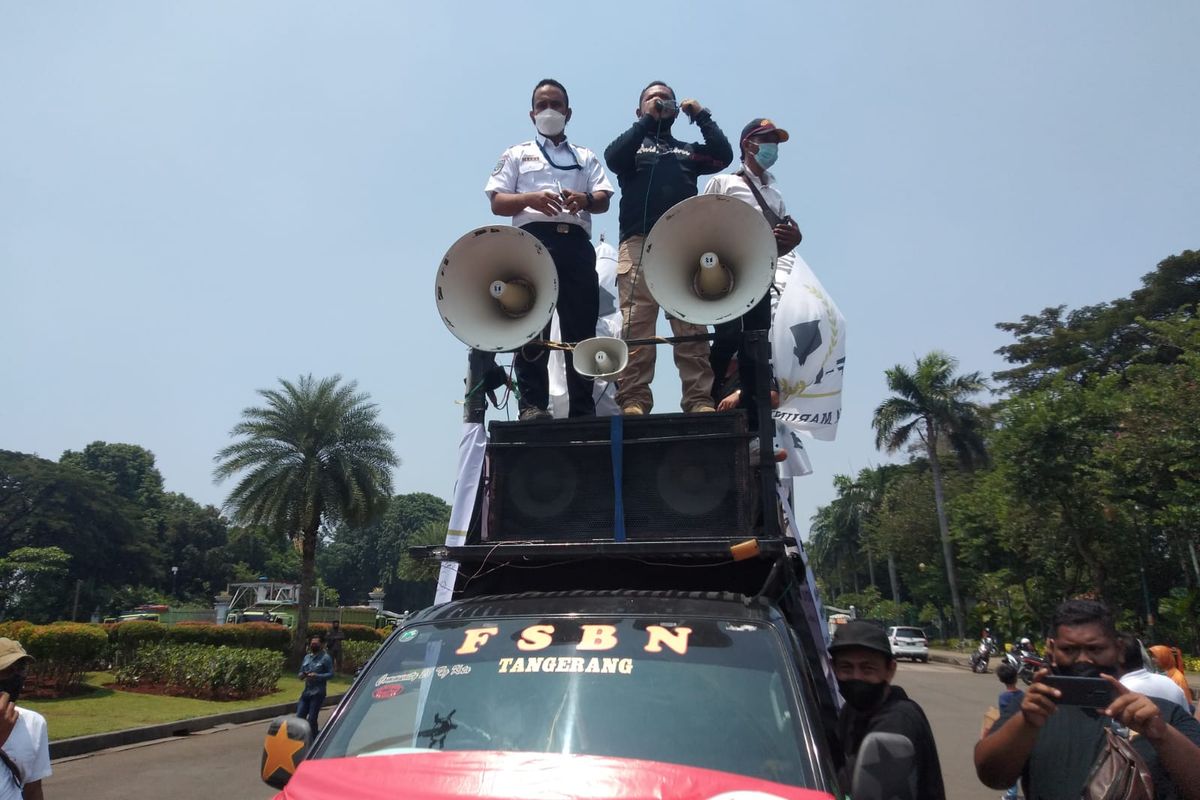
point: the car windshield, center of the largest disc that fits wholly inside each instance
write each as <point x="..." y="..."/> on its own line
<point x="698" y="692"/>
<point x="910" y="633"/>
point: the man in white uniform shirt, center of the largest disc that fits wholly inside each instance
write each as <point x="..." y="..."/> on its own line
<point x="752" y="183"/>
<point x="27" y="747"/>
<point x="551" y="188"/>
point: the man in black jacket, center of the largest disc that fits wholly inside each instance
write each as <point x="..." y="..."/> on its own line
<point x="655" y="171"/>
<point x="864" y="666"/>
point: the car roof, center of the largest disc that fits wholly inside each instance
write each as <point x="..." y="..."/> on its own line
<point x="627" y="602"/>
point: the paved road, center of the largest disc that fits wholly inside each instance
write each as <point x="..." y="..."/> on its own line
<point x="954" y="699"/>
<point x="224" y="763"/>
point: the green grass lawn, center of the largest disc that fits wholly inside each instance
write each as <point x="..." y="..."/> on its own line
<point x="107" y="709"/>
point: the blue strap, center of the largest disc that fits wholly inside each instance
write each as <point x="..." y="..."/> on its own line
<point x="617" y="438"/>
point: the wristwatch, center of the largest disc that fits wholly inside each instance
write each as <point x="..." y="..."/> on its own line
<point x="590" y="198"/>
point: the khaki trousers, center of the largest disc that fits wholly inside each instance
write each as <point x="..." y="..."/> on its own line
<point x="639" y="313"/>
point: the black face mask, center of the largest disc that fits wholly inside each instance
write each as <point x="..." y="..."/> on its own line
<point x="1085" y="669"/>
<point x="12" y="684"/>
<point x="862" y="695"/>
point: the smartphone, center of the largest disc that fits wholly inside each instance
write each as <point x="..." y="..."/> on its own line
<point x="1090" y="692"/>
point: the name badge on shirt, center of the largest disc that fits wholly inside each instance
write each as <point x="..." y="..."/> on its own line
<point x="531" y="164"/>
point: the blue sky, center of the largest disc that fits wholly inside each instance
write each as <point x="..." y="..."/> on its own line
<point x="197" y="198"/>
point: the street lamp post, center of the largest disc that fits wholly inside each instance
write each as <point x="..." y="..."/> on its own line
<point x="174" y="574"/>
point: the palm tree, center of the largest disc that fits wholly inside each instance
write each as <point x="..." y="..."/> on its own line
<point x="932" y="403"/>
<point x="314" y="454"/>
<point x="870" y="487"/>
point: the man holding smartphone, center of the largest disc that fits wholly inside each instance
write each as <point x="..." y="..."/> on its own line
<point x="1051" y="745"/>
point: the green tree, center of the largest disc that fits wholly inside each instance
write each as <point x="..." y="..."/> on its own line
<point x="1101" y="339"/>
<point x="410" y="569"/>
<point x="47" y="504"/>
<point x="1045" y="449"/>
<point x="196" y="539"/>
<point x="30" y="580"/>
<point x="359" y="558"/>
<point x="129" y="469"/>
<point x="314" y="454"/>
<point x="933" y="404"/>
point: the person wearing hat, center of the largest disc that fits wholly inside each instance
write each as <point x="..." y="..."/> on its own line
<point x="864" y="666"/>
<point x="753" y="184"/>
<point x="27" y="748"/>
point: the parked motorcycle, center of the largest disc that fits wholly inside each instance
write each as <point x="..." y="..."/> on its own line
<point x="1026" y="660"/>
<point x="1030" y="663"/>
<point x="979" y="659"/>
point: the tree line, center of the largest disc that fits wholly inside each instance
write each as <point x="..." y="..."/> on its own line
<point x="1078" y="476"/>
<point x="97" y="531"/>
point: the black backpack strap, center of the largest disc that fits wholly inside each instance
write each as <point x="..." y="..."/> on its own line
<point x="14" y="769"/>
<point x="773" y="219"/>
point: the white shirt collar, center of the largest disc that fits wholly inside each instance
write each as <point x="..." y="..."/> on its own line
<point x="766" y="180"/>
<point x="545" y="141"/>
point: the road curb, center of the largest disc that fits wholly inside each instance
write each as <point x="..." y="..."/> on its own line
<point x="946" y="658"/>
<point x="82" y="745"/>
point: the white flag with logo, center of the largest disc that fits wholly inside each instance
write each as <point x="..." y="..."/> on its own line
<point x="808" y="350"/>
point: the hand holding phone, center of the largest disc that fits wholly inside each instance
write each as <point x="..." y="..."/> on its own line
<point x="1087" y="692"/>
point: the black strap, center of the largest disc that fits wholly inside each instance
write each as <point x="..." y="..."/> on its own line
<point x="773" y="219"/>
<point x="546" y="156"/>
<point x="14" y="769"/>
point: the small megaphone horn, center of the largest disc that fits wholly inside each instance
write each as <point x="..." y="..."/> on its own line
<point x="601" y="357"/>
<point x="684" y="272"/>
<point x="515" y="297"/>
<point x="496" y="288"/>
<point x="713" y="281"/>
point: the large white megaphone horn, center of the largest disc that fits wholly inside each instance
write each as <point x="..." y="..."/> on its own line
<point x="601" y="357"/>
<point x="709" y="259"/>
<point x="496" y="288"/>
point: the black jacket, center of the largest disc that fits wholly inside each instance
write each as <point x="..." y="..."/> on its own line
<point x="898" y="714"/>
<point x="658" y="168"/>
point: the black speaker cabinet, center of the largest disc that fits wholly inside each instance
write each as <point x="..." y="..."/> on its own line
<point x="683" y="476"/>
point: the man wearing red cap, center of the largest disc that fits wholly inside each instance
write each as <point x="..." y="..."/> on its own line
<point x="753" y="184"/>
<point x="26" y="750"/>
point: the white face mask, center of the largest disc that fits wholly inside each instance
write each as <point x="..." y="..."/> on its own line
<point x="550" y="122"/>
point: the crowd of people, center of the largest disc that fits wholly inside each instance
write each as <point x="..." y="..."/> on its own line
<point x="1041" y="746"/>
<point x="551" y="187"/>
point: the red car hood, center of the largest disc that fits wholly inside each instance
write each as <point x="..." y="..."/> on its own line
<point x="522" y="776"/>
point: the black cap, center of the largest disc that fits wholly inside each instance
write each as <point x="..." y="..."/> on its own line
<point x="858" y="633"/>
<point x="762" y="125"/>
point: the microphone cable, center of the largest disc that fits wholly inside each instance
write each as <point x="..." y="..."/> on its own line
<point x="637" y="276"/>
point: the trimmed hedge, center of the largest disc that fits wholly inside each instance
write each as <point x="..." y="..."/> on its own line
<point x="354" y="633"/>
<point x="63" y="652"/>
<point x="254" y="635"/>
<point x="356" y="654"/>
<point x="203" y="671"/>
<point x="126" y="638"/>
<point x="17" y="629"/>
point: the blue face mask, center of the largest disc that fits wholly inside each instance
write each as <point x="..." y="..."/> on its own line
<point x="767" y="153"/>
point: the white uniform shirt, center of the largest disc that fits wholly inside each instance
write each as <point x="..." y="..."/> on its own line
<point x="524" y="168"/>
<point x="29" y="746"/>
<point x="734" y="186"/>
<point x="1152" y="685"/>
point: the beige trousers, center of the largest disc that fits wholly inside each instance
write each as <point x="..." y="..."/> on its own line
<point x="639" y="313"/>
